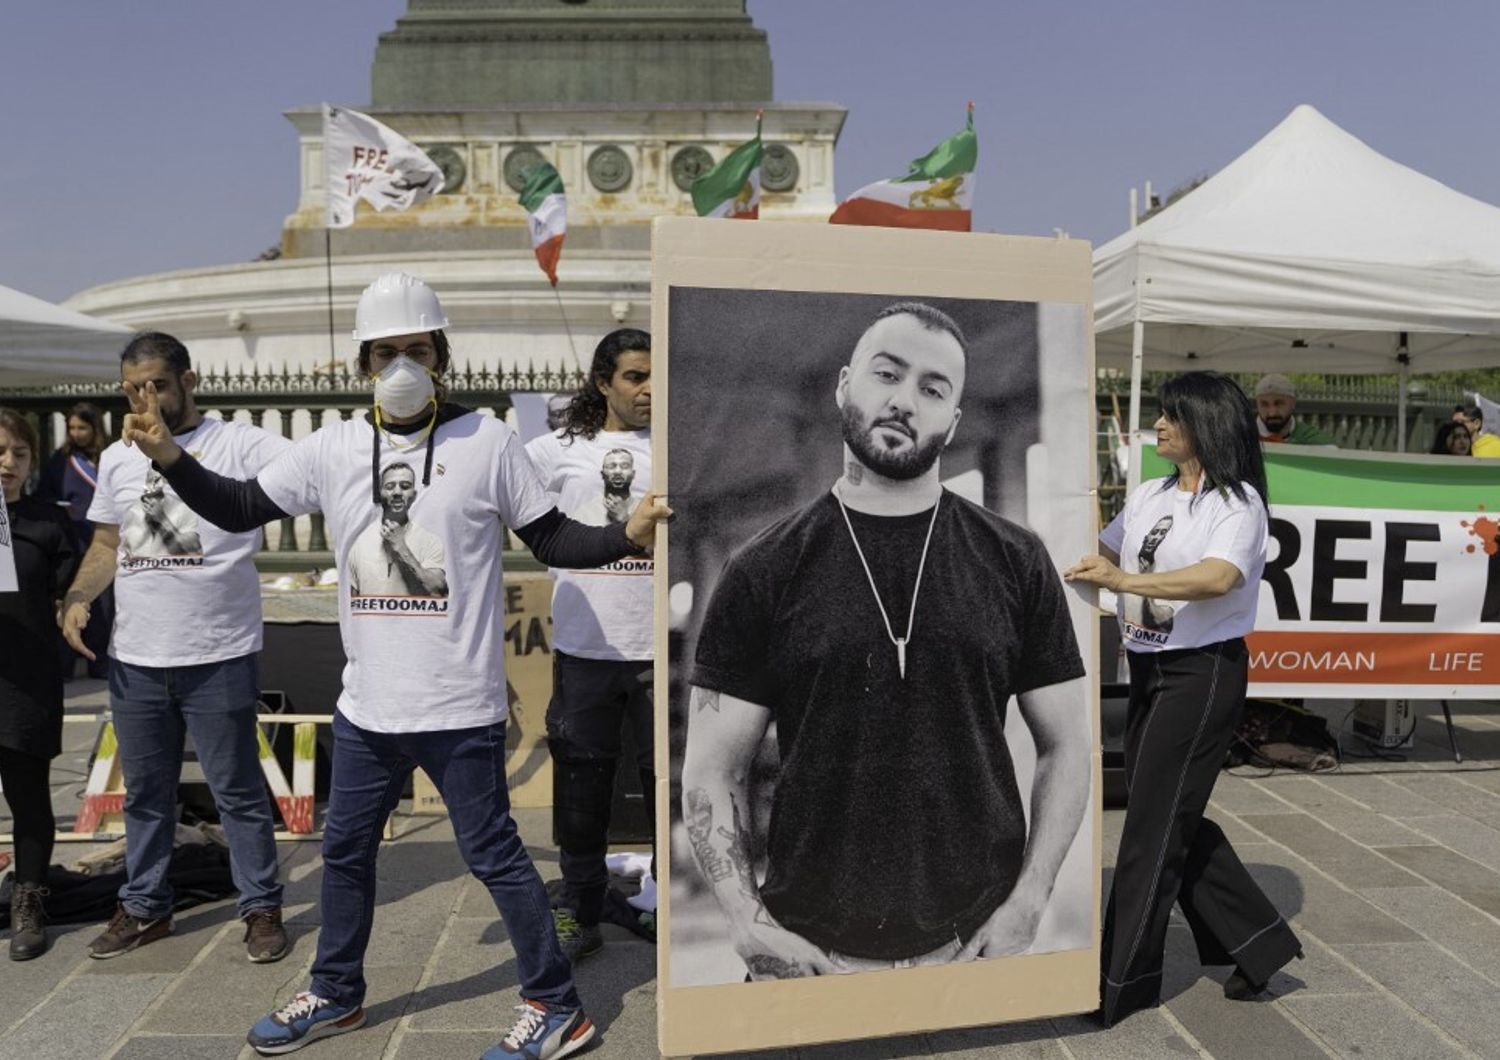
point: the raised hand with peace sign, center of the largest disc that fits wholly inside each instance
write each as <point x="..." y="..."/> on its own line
<point x="145" y="428"/>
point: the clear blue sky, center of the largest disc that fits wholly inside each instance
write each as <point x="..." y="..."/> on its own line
<point x="148" y="136"/>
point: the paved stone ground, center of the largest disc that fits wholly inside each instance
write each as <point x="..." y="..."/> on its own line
<point x="1390" y="872"/>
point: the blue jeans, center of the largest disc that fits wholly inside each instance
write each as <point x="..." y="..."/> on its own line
<point x="215" y="704"/>
<point x="468" y="767"/>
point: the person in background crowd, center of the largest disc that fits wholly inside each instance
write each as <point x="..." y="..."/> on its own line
<point x="1276" y="402"/>
<point x="1187" y="695"/>
<point x="31" y="683"/>
<point x="1483" y="443"/>
<point x="1452" y="439"/>
<point x="598" y="465"/>
<point x="183" y="656"/>
<point x="68" y="479"/>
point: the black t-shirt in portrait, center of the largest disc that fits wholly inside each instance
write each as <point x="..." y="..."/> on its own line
<point x="897" y="825"/>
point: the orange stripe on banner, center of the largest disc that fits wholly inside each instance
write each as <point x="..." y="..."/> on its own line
<point x="1375" y="658"/>
<point x="889" y="215"/>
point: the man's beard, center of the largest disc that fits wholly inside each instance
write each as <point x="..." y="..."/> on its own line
<point x="395" y="516"/>
<point x="1276" y="424"/>
<point x="901" y="466"/>
<point x="172" y="418"/>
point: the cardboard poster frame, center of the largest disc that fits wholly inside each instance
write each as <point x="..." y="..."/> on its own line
<point x="853" y="260"/>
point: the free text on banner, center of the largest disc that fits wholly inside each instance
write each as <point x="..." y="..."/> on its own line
<point x="1382" y="575"/>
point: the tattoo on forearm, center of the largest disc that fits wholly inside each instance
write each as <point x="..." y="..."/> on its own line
<point x="705" y="699"/>
<point x="738" y="835"/>
<point x="699" y="820"/>
<point x="763" y="964"/>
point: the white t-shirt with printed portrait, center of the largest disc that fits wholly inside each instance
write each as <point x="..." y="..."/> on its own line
<point x="1163" y="528"/>
<point x="186" y="592"/>
<point x="604" y="613"/>
<point x="418" y="660"/>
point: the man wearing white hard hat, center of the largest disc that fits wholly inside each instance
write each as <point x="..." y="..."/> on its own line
<point x="1276" y="406"/>
<point x="425" y="681"/>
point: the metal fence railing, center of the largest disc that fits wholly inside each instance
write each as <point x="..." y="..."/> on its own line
<point x="1358" y="411"/>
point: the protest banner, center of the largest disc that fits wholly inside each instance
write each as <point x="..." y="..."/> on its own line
<point x="1382" y="575"/>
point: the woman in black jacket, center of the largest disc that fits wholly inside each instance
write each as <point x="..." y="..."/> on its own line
<point x="31" y="683"/>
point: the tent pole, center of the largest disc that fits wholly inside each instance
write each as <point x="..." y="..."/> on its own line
<point x="1137" y="360"/>
<point x="1403" y="368"/>
<point x="1401" y="405"/>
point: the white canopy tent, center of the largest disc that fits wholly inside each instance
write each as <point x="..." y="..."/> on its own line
<point x="41" y="343"/>
<point x="1311" y="252"/>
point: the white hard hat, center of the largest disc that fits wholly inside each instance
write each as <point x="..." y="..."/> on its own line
<point x="397" y="304"/>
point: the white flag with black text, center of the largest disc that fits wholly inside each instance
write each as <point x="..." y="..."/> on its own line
<point x="364" y="159"/>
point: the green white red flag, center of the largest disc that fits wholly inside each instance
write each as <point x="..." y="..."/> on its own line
<point x="546" y="215"/>
<point x="937" y="192"/>
<point x="732" y="188"/>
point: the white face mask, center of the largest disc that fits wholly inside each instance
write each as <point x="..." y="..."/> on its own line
<point x="404" y="388"/>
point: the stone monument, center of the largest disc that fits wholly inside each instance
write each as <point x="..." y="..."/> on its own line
<point x="631" y="100"/>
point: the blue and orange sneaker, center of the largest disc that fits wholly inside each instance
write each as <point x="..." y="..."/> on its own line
<point x="302" y="1021"/>
<point x="543" y="1033"/>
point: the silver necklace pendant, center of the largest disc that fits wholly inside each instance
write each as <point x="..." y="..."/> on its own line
<point x="911" y="618"/>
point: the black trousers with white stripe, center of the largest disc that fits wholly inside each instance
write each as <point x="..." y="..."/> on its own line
<point x="1184" y="707"/>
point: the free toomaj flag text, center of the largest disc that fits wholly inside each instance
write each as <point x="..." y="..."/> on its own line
<point x="546" y="215"/>
<point x="937" y="191"/>
<point x="364" y="159"/>
<point x="732" y="188"/>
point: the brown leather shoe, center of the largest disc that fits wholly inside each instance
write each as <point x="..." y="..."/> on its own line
<point x="265" y="938"/>
<point x="127" y="932"/>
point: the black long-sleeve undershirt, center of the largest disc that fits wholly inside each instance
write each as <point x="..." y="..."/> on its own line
<point x="239" y="505"/>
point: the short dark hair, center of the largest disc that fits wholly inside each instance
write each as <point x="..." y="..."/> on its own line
<point x="930" y="317"/>
<point x="1474" y="412"/>
<point x="157" y="346"/>
<point x="399" y="465"/>
<point x="1219" y="421"/>
<point x="587" y="411"/>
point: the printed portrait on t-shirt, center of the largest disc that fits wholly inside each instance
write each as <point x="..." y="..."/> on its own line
<point x="394" y="556"/>
<point x="617" y="493"/>
<point x="1154" y="615"/>
<point x="159" y="524"/>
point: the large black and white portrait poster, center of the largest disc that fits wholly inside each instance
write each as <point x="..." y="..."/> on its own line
<point x="881" y="739"/>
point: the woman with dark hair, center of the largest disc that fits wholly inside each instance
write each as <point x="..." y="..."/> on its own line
<point x="31" y="686"/>
<point x="72" y="472"/>
<point x="1452" y="439"/>
<point x="1194" y="545"/>
<point x="68" y="479"/>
